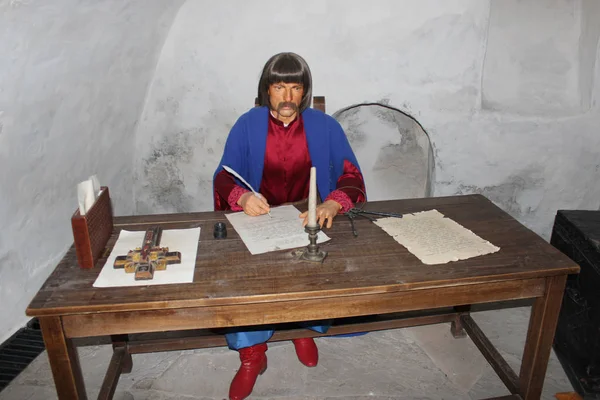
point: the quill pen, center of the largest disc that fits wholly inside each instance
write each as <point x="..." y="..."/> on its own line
<point x="232" y="172"/>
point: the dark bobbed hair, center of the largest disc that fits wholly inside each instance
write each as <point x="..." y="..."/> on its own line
<point x="287" y="68"/>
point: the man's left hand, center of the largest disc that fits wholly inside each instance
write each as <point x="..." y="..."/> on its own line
<point x="325" y="212"/>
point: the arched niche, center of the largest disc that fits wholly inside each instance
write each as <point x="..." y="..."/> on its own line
<point x="392" y="148"/>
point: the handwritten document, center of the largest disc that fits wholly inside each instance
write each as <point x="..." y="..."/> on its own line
<point x="435" y="239"/>
<point x="281" y="231"/>
<point x="184" y="241"/>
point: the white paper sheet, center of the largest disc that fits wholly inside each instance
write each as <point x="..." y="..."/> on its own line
<point x="281" y="231"/>
<point x="435" y="239"/>
<point x="87" y="193"/>
<point x="184" y="241"/>
<point x="85" y="196"/>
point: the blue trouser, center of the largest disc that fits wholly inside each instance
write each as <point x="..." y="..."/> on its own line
<point x="239" y="340"/>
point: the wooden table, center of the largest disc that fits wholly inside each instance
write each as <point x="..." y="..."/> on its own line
<point x="370" y="275"/>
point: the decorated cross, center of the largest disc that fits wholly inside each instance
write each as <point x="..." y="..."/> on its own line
<point x="143" y="261"/>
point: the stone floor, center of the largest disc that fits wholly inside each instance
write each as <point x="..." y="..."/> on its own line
<point x="414" y="363"/>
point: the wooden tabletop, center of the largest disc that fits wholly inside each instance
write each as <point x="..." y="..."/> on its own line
<point x="227" y="274"/>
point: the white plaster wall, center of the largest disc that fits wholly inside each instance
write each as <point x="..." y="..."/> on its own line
<point x="533" y="67"/>
<point x="590" y="32"/>
<point x="436" y="60"/>
<point x="73" y="77"/>
<point x="423" y="57"/>
<point x="537" y="153"/>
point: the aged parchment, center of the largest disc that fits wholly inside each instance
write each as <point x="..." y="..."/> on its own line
<point x="435" y="239"/>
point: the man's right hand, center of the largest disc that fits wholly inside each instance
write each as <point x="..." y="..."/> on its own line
<point x="253" y="205"/>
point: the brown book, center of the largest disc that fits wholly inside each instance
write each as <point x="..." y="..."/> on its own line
<point x="92" y="230"/>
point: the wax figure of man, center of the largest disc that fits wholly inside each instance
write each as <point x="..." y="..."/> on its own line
<point x="273" y="148"/>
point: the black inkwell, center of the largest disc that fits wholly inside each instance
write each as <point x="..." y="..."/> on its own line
<point x="220" y="230"/>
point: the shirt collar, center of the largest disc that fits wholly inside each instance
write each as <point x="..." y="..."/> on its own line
<point x="280" y="123"/>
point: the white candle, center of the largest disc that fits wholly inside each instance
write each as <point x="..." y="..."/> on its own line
<point x="312" y="198"/>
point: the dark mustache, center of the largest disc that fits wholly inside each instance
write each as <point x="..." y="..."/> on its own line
<point x="287" y="104"/>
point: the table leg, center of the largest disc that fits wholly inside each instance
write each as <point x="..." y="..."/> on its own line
<point x="121" y="341"/>
<point x="540" y="334"/>
<point x="456" y="328"/>
<point x="64" y="360"/>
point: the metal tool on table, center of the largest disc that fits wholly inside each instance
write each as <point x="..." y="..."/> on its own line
<point x="357" y="212"/>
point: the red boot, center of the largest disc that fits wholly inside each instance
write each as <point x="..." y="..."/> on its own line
<point x="307" y="351"/>
<point x="254" y="363"/>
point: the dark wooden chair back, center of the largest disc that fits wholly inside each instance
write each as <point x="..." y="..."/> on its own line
<point x="318" y="102"/>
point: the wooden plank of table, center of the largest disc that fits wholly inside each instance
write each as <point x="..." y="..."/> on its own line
<point x="95" y="324"/>
<point x="121" y="341"/>
<point x="64" y="360"/>
<point x="494" y="358"/>
<point x="226" y="273"/>
<point x="115" y="367"/>
<point x="222" y="285"/>
<point x="540" y="334"/>
<point x="208" y="339"/>
<point x="456" y="328"/>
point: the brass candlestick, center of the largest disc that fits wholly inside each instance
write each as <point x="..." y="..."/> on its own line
<point x="312" y="252"/>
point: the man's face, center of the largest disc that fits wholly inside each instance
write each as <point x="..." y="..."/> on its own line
<point x="285" y="99"/>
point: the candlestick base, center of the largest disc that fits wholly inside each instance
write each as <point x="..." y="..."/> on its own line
<point x="311" y="252"/>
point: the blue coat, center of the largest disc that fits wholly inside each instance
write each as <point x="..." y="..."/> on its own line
<point x="327" y="145"/>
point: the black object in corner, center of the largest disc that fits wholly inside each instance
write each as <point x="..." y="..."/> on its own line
<point x="577" y="339"/>
<point x="19" y="350"/>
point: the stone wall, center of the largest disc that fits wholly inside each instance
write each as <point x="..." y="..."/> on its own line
<point x="73" y="78"/>
<point x="505" y="89"/>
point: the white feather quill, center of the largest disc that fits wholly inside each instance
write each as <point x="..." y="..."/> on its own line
<point x="232" y="172"/>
